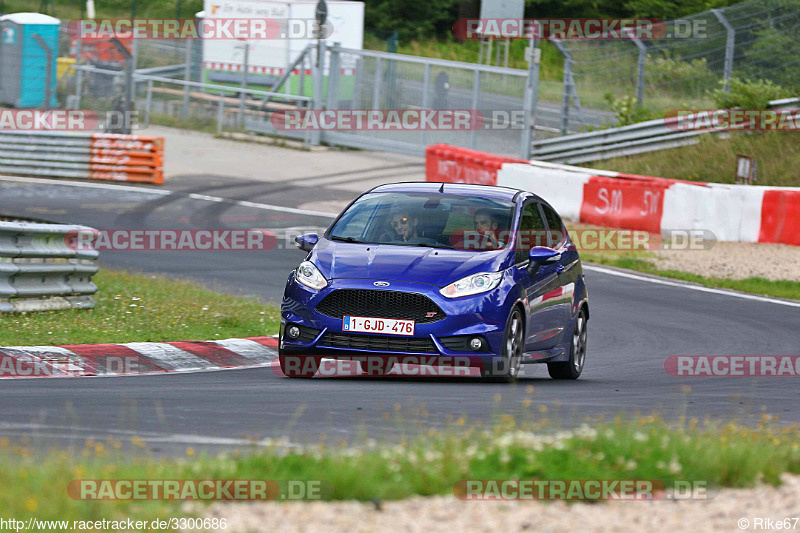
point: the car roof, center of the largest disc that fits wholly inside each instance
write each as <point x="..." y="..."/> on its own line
<point x="484" y="191"/>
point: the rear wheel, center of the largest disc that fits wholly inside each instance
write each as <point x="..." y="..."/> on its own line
<point x="507" y="369"/>
<point x="577" y="352"/>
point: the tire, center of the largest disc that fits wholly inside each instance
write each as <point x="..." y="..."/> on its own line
<point x="508" y="368"/>
<point x="577" y="352"/>
<point x="295" y="366"/>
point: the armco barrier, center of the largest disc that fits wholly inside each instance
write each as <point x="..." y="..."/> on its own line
<point x="742" y="213"/>
<point x="39" y="271"/>
<point x="452" y="164"/>
<point x="96" y="156"/>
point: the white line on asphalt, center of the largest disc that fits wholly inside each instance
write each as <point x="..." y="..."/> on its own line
<point x="699" y="288"/>
<point x="164" y="192"/>
<point x="86" y="185"/>
<point x="147" y="437"/>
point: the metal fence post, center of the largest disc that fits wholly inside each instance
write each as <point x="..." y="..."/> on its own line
<point x="567" y="87"/>
<point x="729" y="48"/>
<point x="426" y="81"/>
<point x="149" y="99"/>
<point x="358" y="76"/>
<point x="318" y="81"/>
<point x="134" y="59"/>
<point x="476" y="93"/>
<point x="376" y="88"/>
<point x="245" y="67"/>
<point x="79" y="73"/>
<point x="333" y="76"/>
<point x="220" y="112"/>
<point x="640" y="69"/>
<point x="187" y="76"/>
<point x="531" y="101"/>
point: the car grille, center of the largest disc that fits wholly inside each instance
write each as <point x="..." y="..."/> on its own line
<point x="380" y="304"/>
<point x="378" y="343"/>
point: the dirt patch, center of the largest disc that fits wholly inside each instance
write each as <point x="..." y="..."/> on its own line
<point x="735" y="260"/>
<point x="446" y="513"/>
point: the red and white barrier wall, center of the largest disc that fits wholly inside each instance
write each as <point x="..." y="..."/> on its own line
<point x="731" y="212"/>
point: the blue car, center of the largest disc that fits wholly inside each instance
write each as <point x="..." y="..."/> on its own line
<point x="438" y="274"/>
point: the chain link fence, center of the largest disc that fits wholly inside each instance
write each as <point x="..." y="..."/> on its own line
<point x="757" y="39"/>
<point x="174" y="85"/>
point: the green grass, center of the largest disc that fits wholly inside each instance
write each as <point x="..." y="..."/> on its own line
<point x="136" y="307"/>
<point x="638" y="261"/>
<point x="728" y="455"/>
<point x="714" y="159"/>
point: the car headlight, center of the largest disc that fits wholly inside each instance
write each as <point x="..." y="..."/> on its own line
<point x="309" y="275"/>
<point x="474" y="284"/>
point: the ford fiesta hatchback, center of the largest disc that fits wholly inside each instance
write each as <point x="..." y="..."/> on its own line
<point x="438" y="274"/>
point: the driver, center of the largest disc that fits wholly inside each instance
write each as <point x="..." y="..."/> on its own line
<point x="486" y="224"/>
<point x="405" y="225"/>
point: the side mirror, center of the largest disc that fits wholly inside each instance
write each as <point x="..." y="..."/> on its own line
<point x="307" y="242"/>
<point x="542" y="255"/>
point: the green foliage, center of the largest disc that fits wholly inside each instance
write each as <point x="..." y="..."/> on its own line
<point x="748" y="94"/>
<point x="678" y="77"/>
<point x="769" y="52"/>
<point x="412" y="20"/>
<point x="627" y="111"/>
<point x="714" y="159"/>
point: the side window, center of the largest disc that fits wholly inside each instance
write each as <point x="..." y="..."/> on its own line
<point x="531" y="231"/>
<point x="556" y="234"/>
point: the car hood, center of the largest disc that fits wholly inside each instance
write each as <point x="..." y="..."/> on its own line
<point x="435" y="266"/>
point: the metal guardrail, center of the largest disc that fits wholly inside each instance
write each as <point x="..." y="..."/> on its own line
<point x="39" y="271"/>
<point x="649" y="136"/>
<point x="103" y="156"/>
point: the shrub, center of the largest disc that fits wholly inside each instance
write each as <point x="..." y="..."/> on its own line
<point x="748" y="94"/>
<point x="627" y="111"/>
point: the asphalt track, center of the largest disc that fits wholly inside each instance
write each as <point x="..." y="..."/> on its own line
<point x="635" y="325"/>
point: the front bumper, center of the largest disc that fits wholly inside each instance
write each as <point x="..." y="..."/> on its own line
<point x="483" y="315"/>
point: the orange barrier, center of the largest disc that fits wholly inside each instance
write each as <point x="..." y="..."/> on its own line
<point x="118" y="157"/>
<point x="452" y="164"/>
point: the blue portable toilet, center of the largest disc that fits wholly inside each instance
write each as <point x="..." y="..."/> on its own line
<point x="25" y="61"/>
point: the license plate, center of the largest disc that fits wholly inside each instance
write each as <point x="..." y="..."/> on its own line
<point x="387" y="326"/>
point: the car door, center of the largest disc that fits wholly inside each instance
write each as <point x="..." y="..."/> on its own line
<point x="537" y="282"/>
<point x="562" y="293"/>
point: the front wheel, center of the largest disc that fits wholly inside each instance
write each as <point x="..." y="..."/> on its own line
<point x="507" y="369"/>
<point x="577" y="352"/>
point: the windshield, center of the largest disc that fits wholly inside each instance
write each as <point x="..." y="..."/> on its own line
<point x="437" y="220"/>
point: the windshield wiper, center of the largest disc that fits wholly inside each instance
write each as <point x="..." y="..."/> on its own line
<point x="426" y="245"/>
<point x="346" y="239"/>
